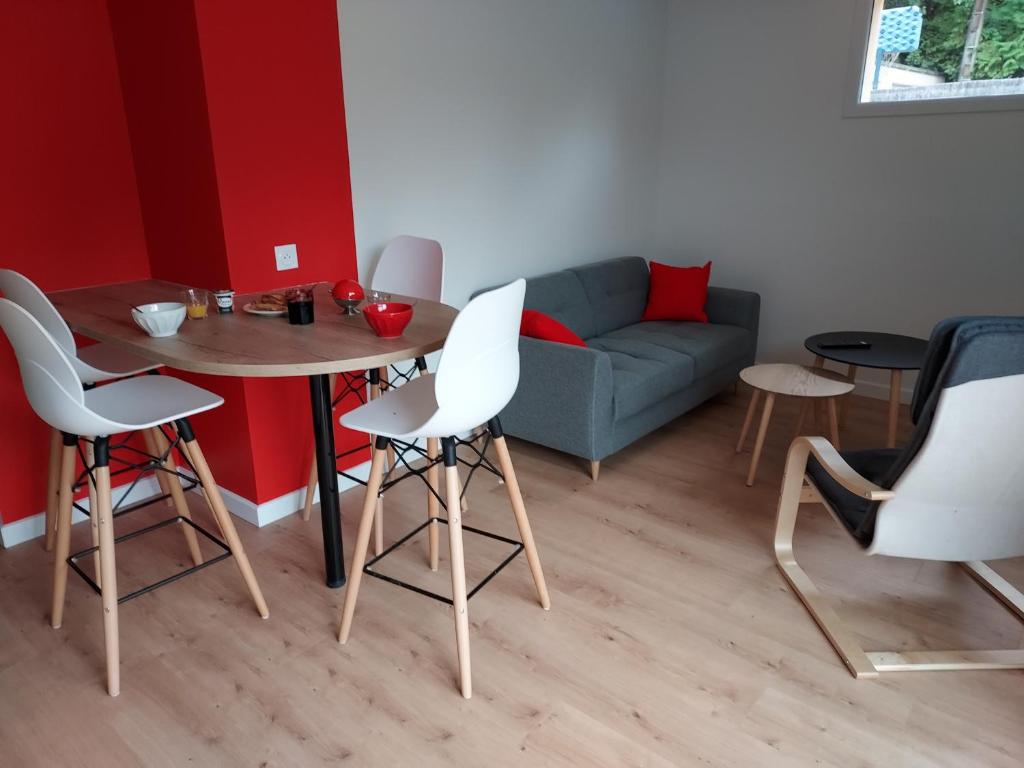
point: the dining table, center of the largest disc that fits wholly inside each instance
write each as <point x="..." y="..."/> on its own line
<point x="247" y="345"/>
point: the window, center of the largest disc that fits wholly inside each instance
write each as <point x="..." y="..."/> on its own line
<point x="940" y="55"/>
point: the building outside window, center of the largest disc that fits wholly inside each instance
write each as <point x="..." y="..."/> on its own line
<point x="970" y="51"/>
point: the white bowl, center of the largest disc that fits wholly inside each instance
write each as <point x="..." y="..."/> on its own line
<point x="160" y="319"/>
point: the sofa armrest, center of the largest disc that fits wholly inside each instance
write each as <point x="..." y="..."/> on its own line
<point x="731" y="306"/>
<point x="564" y="399"/>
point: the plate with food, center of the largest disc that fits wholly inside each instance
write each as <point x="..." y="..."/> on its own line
<point x="268" y="305"/>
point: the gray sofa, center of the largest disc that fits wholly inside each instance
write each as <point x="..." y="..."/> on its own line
<point x="633" y="376"/>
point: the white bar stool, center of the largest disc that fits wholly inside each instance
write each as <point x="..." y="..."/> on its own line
<point x="95" y="364"/>
<point x="476" y="377"/>
<point x="147" y="403"/>
<point x="408" y="266"/>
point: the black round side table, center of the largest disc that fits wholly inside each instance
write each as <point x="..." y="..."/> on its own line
<point x="864" y="349"/>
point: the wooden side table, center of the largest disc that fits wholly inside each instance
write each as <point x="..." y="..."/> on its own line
<point x="793" y="381"/>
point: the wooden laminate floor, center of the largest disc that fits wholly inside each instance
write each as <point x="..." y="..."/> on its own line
<point x="672" y="639"/>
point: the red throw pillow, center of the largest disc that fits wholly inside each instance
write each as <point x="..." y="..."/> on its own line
<point x="537" y="325"/>
<point x="677" y="293"/>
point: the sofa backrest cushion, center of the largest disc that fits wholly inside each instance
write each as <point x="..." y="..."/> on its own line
<point x="616" y="291"/>
<point x="561" y="295"/>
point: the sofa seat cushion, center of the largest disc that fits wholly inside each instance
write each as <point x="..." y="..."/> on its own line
<point x="643" y="372"/>
<point x="711" y="346"/>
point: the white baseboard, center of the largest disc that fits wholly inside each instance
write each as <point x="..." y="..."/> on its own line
<point x="271" y="511"/>
<point x="879" y="391"/>
<point x="32" y="527"/>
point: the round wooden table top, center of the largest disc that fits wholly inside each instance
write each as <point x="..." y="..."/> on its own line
<point x="241" y="344"/>
<point x="796" y="380"/>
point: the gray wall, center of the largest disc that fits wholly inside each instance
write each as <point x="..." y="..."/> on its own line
<point x="884" y="223"/>
<point x="527" y="135"/>
<point x="521" y="134"/>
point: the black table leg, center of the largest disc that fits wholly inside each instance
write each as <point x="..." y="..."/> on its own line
<point x="330" y="513"/>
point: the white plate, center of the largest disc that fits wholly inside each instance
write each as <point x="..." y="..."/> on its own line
<point x="264" y="312"/>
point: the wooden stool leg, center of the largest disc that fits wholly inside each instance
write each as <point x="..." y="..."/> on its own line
<point x="766" y="416"/>
<point x="385" y="385"/>
<point x="223" y="517"/>
<point x="355" y="574"/>
<point x="459" y="599"/>
<point x="63" y="532"/>
<point x="153" y="449"/>
<point x="108" y="571"/>
<point x="433" y="479"/>
<point x="895" y="384"/>
<point x="94" y="524"/>
<point x="202" y="491"/>
<point x="307" y="504"/>
<point x="817" y="405"/>
<point x="833" y="422"/>
<point x="519" y="510"/>
<point x="844" y="405"/>
<point x="172" y="484"/>
<point x="52" y="490"/>
<point x="378" y="517"/>
<point x="432" y="506"/>
<point x="748" y="420"/>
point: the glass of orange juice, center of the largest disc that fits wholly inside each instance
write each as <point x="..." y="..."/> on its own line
<point x="196" y="302"/>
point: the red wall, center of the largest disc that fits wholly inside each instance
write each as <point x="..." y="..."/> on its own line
<point x="181" y="140"/>
<point x="238" y="131"/>
<point x="273" y="85"/>
<point x="161" y="77"/>
<point x="69" y="210"/>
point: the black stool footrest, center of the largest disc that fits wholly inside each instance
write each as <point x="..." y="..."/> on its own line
<point x="367" y="569"/>
<point x="73" y="559"/>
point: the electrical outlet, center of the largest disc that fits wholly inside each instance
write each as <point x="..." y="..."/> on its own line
<point x="286" y="256"/>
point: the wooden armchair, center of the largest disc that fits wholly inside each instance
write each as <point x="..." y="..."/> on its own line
<point x="954" y="493"/>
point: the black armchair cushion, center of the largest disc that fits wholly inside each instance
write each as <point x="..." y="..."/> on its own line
<point x="856" y="513"/>
<point x="961" y="349"/>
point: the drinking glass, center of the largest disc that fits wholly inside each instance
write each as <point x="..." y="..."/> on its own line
<point x="300" y="305"/>
<point x="196" y="302"/>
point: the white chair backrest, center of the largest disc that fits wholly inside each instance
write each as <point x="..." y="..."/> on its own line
<point x="962" y="496"/>
<point x="479" y="367"/>
<point x="959" y="482"/>
<point x="51" y="383"/>
<point x="27" y="294"/>
<point x="22" y="291"/>
<point x="410" y="266"/>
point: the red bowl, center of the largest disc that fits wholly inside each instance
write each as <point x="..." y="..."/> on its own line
<point x="388" y="319"/>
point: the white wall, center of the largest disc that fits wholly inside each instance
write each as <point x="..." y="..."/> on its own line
<point x="521" y="134"/>
<point x="527" y="135"/>
<point x="886" y="223"/>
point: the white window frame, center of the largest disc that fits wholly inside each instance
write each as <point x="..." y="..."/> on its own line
<point x="866" y="19"/>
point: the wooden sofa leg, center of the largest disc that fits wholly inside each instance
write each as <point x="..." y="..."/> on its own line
<point x="595" y="470"/>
